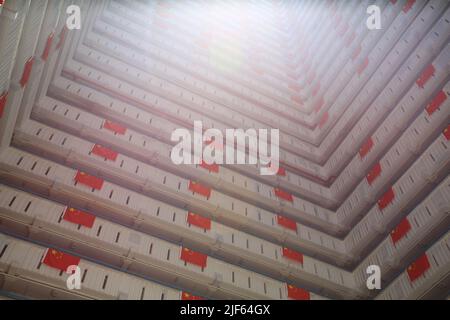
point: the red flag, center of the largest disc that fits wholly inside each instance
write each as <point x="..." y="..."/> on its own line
<point x="210" y="167"/>
<point x="408" y="5"/>
<point x="425" y="76"/>
<point x="365" y="148"/>
<point x="104" y="152"/>
<point x="197" y="258"/>
<point x="281" y="172"/>
<point x="283" y="194"/>
<point x="188" y="296"/>
<point x="297" y="99"/>
<point x="199" y="188"/>
<point x="436" y="103"/>
<point x="79" y="217"/>
<point x="48" y="46"/>
<point x="447" y="132"/>
<point x="374" y="173"/>
<point x="88" y="180"/>
<point x="418" y="267"/>
<point x="3" y="103"/>
<point x="198" y="221"/>
<point x="297" y="293"/>
<point x="400" y="230"/>
<point x="363" y="66"/>
<point x="287" y="223"/>
<point x="59" y="260"/>
<point x="292" y="255"/>
<point x="323" y="120"/>
<point x="26" y="72"/>
<point x="386" y="199"/>
<point x="114" y="127"/>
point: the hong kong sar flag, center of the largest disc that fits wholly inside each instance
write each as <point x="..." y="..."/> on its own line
<point x="59" y="260"/>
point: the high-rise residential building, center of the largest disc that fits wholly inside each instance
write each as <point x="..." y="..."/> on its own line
<point x="206" y="149"/>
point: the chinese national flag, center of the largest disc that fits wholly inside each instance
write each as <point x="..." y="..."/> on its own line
<point x="297" y="293"/>
<point x="292" y="255"/>
<point x="436" y="103"/>
<point x="287" y="223"/>
<point x="281" y="172"/>
<point x="197" y="258"/>
<point x="425" y="76"/>
<point x="2" y="103"/>
<point x="374" y="173"/>
<point x="365" y="148"/>
<point x="48" y="46"/>
<point x="104" y="152"/>
<point x="297" y="99"/>
<point x="188" y="296"/>
<point x="198" y="221"/>
<point x="210" y="167"/>
<point x="79" y="217"/>
<point x="418" y="267"/>
<point x="400" y="230"/>
<point x="114" y="127"/>
<point x="447" y="132"/>
<point x="386" y="199"/>
<point x="323" y="120"/>
<point x="88" y="180"/>
<point x="59" y="260"/>
<point x="199" y="188"/>
<point x="26" y="71"/>
<point x="283" y="195"/>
